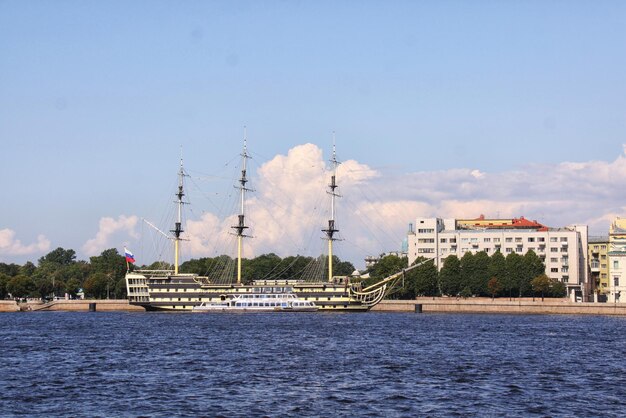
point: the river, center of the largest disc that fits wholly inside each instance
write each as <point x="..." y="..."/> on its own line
<point x="311" y="364"/>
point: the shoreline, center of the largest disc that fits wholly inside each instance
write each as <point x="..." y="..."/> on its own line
<point x="422" y="304"/>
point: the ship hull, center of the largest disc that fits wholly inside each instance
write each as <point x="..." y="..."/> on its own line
<point x="180" y="293"/>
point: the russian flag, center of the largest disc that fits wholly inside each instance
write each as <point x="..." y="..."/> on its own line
<point x="129" y="256"/>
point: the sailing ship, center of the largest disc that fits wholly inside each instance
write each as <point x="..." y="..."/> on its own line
<point x="171" y="290"/>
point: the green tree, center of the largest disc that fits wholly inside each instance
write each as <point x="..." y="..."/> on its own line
<point x="59" y="257"/>
<point x="480" y="274"/>
<point x="72" y="286"/>
<point x="10" y="270"/>
<point x="425" y="282"/>
<point x="533" y="267"/>
<point x="110" y="263"/>
<point x="557" y="289"/>
<point x="541" y="284"/>
<point x="342" y="268"/>
<point x="468" y="271"/>
<point x="45" y="288"/>
<point x="450" y="276"/>
<point x="515" y="273"/>
<point x="28" y="269"/>
<point x="4" y="281"/>
<point x="497" y="268"/>
<point x="21" y="286"/>
<point x="96" y="286"/>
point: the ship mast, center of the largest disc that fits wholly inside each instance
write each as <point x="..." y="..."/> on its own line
<point x="330" y="232"/>
<point x="178" y="230"/>
<point x="241" y="226"/>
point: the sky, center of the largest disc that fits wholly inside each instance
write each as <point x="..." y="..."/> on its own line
<point x="438" y="108"/>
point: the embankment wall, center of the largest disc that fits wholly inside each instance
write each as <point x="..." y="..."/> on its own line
<point x="83" y="305"/>
<point x="487" y="305"/>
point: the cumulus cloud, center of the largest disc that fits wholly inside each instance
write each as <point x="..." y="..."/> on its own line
<point x="11" y="246"/>
<point x="291" y="206"/>
<point x="122" y="228"/>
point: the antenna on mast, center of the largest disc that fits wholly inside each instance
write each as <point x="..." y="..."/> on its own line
<point x="330" y="232"/>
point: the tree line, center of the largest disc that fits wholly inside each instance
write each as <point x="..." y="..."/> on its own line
<point x="59" y="273"/>
<point x="472" y="275"/>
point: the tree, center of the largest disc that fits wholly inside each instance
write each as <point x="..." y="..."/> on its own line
<point x="21" y="286"/>
<point x="28" y="269"/>
<point x="342" y="268"/>
<point x="533" y="267"/>
<point x="60" y="257"/>
<point x="467" y="271"/>
<point x="96" y="286"/>
<point x="450" y="276"/>
<point x="514" y="272"/>
<point x="385" y="267"/>
<point x="497" y="268"/>
<point x="425" y="278"/>
<point x="558" y="289"/>
<point x="4" y="280"/>
<point x="541" y="284"/>
<point x="480" y="274"/>
<point x="45" y="288"/>
<point x="494" y="287"/>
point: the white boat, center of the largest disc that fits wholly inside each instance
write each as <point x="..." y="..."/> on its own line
<point x="258" y="302"/>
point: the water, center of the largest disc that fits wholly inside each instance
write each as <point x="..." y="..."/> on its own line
<point x="371" y="364"/>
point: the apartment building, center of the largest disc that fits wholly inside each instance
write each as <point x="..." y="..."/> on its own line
<point x="597" y="254"/>
<point x="617" y="261"/>
<point x="563" y="250"/>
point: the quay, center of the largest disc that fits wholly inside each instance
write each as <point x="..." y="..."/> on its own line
<point x="500" y="305"/>
<point x="424" y="305"/>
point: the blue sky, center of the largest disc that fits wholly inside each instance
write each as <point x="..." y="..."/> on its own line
<point x="97" y="98"/>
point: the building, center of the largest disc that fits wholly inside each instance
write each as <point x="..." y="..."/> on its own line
<point x="617" y="261"/>
<point x="563" y="250"/>
<point x="597" y="255"/>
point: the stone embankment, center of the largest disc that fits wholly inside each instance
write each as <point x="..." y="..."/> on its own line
<point x="501" y="305"/>
<point x="83" y="305"/>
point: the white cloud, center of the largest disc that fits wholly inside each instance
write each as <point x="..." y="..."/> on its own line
<point x="122" y="228"/>
<point x="11" y="246"/>
<point x="290" y="206"/>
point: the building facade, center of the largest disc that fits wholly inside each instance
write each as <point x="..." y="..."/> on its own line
<point x="563" y="250"/>
<point x="597" y="254"/>
<point x="617" y="261"/>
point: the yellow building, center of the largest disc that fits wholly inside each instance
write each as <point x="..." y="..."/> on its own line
<point x="597" y="250"/>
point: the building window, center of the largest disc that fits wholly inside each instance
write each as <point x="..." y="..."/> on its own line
<point x="541" y="239"/>
<point x="603" y="257"/>
<point x="452" y="240"/>
<point x="425" y="231"/>
<point x="554" y="270"/>
<point x="563" y="239"/>
<point x="616" y="281"/>
<point x="509" y="250"/>
<point x="486" y="239"/>
<point x="425" y="250"/>
<point x="615" y="264"/>
<point x="518" y="239"/>
<point x="486" y="250"/>
<point x="531" y="239"/>
<point x="554" y="250"/>
<point x="443" y="240"/>
<point x="603" y="247"/>
<point x="496" y="240"/>
<point x="464" y="239"/>
<point x="603" y="266"/>
<point x="554" y="260"/>
<point x="426" y="240"/>
<point x="508" y="239"/>
<point x="564" y="270"/>
<point x="553" y="239"/>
